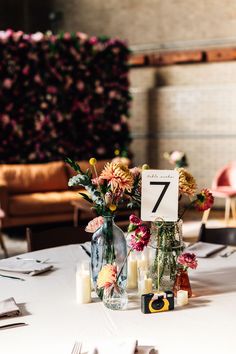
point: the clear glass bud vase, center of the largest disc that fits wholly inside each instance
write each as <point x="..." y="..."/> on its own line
<point x="168" y="245"/>
<point x="182" y="282"/>
<point x="108" y="246"/>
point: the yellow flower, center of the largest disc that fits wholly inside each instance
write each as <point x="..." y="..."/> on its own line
<point x="92" y="161"/>
<point x="112" y="207"/>
<point x="118" y="177"/>
<point x="145" y="167"/>
<point x="107" y="276"/>
<point x="187" y="183"/>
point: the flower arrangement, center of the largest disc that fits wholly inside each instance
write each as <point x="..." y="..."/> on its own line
<point x="177" y="158"/>
<point x="61" y="95"/>
<point x="167" y="236"/>
<point x="201" y="201"/>
<point x="184" y="261"/>
<point x="115" y="185"/>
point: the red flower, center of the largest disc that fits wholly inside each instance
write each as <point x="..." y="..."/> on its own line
<point x="204" y="200"/>
<point x="134" y="222"/>
<point x="140" y="238"/>
<point x="188" y="260"/>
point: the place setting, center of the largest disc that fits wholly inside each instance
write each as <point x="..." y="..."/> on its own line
<point x="23" y="265"/>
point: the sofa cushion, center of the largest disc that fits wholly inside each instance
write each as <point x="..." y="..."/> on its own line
<point x="44" y="203"/>
<point x="26" y="178"/>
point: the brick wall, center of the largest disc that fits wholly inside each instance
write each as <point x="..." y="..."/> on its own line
<point x="159" y="22"/>
<point x="190" y="108"/>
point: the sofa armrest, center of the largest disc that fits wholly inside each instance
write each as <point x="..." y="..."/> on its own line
<point x="3" y="196"/>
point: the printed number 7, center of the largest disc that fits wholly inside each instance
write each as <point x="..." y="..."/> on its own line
<point x="166" y="185"/>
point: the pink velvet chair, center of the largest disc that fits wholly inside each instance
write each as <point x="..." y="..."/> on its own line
<point x="224" y="186"/>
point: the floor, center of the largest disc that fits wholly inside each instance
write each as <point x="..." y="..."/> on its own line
<point x="16" y="242"/>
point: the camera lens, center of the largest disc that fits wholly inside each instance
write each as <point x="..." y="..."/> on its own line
<point x="157" y="304"/>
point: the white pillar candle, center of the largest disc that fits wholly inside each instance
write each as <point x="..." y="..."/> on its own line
<point x="143" y="262"/>
<point x="83" y="284"/>
<point x="132" y="272"/>
<point x="182" y="297"/>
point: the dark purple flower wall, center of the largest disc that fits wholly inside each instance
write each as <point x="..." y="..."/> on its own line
<point x="65" y="95"/>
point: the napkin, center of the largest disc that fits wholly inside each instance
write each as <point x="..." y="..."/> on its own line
<point x="114" y="346"/>
<point x="24" y="266"/>
<point x="9" y="307"/>
<point x="204" y="249"/>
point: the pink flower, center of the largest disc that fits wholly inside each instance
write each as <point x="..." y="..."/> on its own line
<point x="134" y="222"/>
<point x="26" y="70"/>
<point x="2" y="214"/>
<point x="37" y="37"/>
<point x="136" y="171"/>
<point x="80" y="85"/>
<point x="94" y="224"/>
<point x="67" y="36"/>
<point x="37" y="78"/>
<point x="5" y="119"/>
<point x="52" y="89"/>
<point x="7" y="83"/>
<point x="176" y="156"/>
<point x="187" y="260"/>
<point x="116" y="127"/>
<point x="140" y="238"/>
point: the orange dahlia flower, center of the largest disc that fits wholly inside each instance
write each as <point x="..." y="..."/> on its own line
<point x="118" y="176"/>
<point x="107" y="276"/>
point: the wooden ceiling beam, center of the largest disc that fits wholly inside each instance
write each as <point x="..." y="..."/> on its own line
<point x="182" y="57"/>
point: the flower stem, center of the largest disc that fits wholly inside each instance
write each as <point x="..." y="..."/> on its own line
<point x="120" y="271"/>
<point x="181" y="215"/>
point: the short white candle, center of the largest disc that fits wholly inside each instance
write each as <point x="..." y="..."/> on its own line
<point x="132" y="272"/>
<point x="83" y="284"/>
<point x="144" y="283"/>
<point x="182" y="297"/>
<point x="148" y="285"/>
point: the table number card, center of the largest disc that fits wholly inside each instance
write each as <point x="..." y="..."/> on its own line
<point x="160" y="190"/>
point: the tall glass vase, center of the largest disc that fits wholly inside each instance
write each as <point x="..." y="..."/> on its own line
<point x="167" y="244"/>
<point x="108" y="246"/>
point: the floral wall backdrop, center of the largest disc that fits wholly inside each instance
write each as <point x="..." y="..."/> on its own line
<point x="65" y="95"/>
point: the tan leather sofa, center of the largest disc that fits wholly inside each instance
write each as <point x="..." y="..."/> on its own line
<point x="39" y="193"/>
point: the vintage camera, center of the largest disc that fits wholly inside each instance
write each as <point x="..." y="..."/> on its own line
<point x="157" y="302"/>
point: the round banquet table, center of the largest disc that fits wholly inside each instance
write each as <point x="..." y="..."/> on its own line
<point x="55" y="320"/>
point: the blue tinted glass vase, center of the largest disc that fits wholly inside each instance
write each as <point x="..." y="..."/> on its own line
<point x="108" y="246"/>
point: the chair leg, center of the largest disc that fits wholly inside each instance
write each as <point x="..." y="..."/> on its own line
<point x="2" y="243"/>
<point x="227" y="210"/>
<point x="205" y="216"/>
<point x="233" y="208"/>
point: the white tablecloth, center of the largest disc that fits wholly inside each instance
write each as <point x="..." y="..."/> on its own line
<point x="55" y="320"/>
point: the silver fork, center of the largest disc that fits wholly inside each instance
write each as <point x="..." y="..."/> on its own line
<point x="33" y="259"/>
<point x="77" y="348"/>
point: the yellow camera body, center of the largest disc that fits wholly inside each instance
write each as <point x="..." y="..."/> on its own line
<point x="157" y="302"/>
